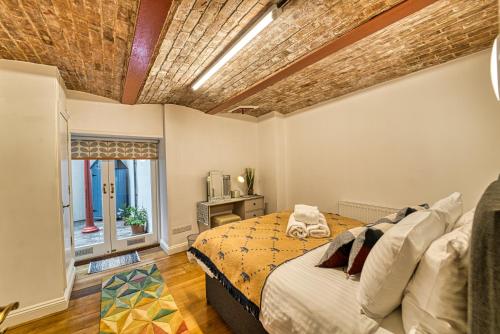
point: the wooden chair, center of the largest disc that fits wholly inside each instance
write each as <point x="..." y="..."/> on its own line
<point x="4" y="311"/>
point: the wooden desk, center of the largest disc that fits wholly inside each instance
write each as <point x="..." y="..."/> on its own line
<point x="246" y="207"/>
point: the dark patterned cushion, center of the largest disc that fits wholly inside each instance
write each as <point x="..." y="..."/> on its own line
<point x="398" y="216"/>
<point x="337" y="254"/>
<point x="364" y="242"/>
<point x="362" y="246"/>
<point x="339" y="251"/>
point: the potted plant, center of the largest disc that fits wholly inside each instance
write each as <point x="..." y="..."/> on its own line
<point x="136" y="218"/>
<point x="250" y="177"/>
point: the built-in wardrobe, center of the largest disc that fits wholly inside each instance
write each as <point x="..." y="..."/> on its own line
<point x="36" y="252"/>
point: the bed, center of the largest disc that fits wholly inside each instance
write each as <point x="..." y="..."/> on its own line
<point x="324" y="300"/>
<point x="252" y="266"/>
<point x="318" y="300"/>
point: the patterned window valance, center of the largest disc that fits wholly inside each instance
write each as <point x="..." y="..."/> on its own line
<point x="112" y="150"/>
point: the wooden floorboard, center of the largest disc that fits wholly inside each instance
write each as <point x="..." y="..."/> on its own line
<point x="185" y="280"/>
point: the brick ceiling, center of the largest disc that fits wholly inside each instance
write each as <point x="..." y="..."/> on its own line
<point x="90" y="41"/>
<point x="439" y="33"/>
<point x="201" y="30"/>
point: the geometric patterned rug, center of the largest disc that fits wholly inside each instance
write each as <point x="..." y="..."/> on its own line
<point x="138" y="302"/>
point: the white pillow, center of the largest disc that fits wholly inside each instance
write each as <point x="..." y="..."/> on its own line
<point x="467" y="217"/>
<point x="436" y="297"/>
<point x="392" y="261"/>
<point x="449" y="209"/>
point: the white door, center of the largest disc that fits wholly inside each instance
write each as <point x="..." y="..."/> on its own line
<point x="65" y="191"/>
<point x="91" y="226"/>
<point x="102" y="192"/>
<point x="133" y="185"/>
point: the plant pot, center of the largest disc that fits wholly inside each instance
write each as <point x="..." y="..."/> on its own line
<point x="137" y="229"/>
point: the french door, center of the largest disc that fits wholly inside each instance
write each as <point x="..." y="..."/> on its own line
<point x="114" y="206"/>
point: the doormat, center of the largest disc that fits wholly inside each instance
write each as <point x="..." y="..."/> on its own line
<point x="114" y="262"/>
<point x="137" y="302"/>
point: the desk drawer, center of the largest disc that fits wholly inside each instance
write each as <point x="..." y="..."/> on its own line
<point x="254" y="213"/>
<point x="254" y="204"/>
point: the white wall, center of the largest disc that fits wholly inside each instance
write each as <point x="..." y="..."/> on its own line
<point x="196" y="143"/>
<point x="271" y="160"/>
<point x="31" y="232"/>
<point x="408" y="141"/>
<point x="96" y="115"/>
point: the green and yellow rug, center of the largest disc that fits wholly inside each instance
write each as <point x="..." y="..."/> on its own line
<point x="138" y="302"/>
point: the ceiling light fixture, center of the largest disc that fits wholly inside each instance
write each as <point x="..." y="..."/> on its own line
<point x="495" y="77"/>
<point x="260" y="25"/>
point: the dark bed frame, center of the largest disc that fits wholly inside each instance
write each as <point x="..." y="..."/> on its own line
<point x="232" y="312"/>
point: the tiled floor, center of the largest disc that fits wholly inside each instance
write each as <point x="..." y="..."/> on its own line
<point x="84" y="239"/>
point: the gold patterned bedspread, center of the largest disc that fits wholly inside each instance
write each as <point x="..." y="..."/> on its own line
<point x="241" y="255"/>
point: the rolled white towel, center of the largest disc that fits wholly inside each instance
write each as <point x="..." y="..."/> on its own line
<point x="320" y="230"/>
<point x="306" y="214"/>
<point x="295" y="228"/>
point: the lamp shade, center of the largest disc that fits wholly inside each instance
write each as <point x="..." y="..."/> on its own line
<point x="494" y="68"/>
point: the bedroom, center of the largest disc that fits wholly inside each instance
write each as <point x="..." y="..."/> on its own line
<point x="386" y="104"/>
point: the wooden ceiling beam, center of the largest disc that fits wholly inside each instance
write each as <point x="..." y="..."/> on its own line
<point x="377" y="23"/>
<point x="151" y="17"/>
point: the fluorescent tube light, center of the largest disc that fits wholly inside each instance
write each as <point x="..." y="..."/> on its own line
<point x="494" y="67"/>
<point x="264" y="21"/>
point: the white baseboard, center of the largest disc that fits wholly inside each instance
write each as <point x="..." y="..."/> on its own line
<point x="164" y="246"/>
<point x="170" y="250"/>
<point x="177" y="248"/>
<point x="70" y="280"/>
<point x="33" y="312"/>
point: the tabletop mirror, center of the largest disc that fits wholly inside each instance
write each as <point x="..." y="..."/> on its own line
<point x="215" y="186"/>
<point x="218" y="186"/>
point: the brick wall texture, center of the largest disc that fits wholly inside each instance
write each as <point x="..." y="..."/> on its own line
<point x="201" y="30"/>
<point x="89" y="41"/>
<point x="444" y="31"/>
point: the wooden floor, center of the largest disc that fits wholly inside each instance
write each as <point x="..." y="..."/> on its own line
<point x="185" y="280"/>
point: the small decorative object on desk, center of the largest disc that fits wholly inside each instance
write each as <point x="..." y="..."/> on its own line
<point x="250" y="178"/>
<point x="226" y="183"/>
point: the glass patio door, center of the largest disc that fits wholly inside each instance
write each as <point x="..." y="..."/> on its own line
<point x="115" y="205"/>
<point x="91" y="232"/>
<point x="133" y="203"/>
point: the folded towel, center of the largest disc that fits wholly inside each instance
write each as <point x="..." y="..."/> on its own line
<point x="305" y="208"/>
<point x="295" y="228"/>
<point x="307" y="214"/>
<point x="320" y="230"/>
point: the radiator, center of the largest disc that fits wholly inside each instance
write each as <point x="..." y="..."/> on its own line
<point x="364" y="212"/>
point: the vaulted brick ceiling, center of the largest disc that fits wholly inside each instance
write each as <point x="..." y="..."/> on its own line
<point x="201" y="30"/>
<point x="439" y="33"/>
<point x="90" y="42"/>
